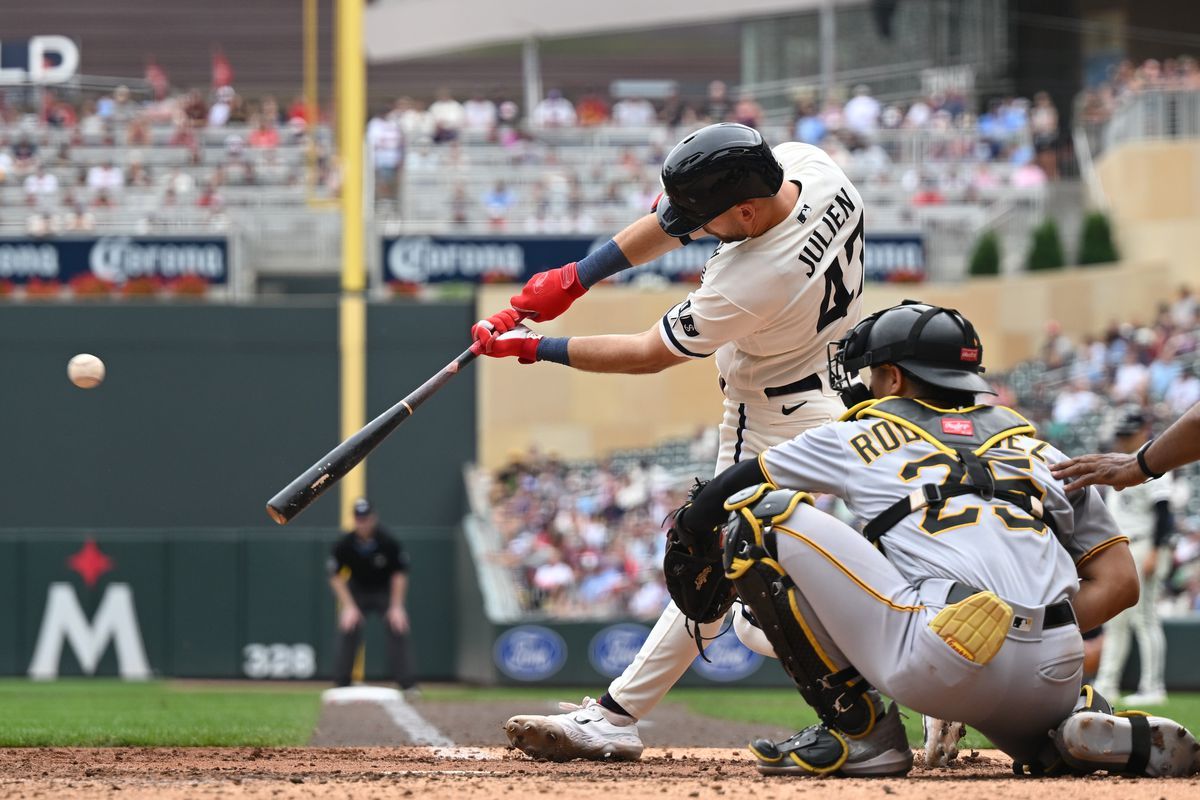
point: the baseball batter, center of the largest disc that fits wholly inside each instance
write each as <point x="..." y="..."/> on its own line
<point x="1143" y="513"/>
<point x="785" y="279"/>
<point x="965" y="594"/>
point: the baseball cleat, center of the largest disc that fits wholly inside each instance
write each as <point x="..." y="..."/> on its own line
<point x="587" y="731"/>
<point x="819" y="750"/>
<point x="1133" y="744"/>
<point x="941" y="741"/>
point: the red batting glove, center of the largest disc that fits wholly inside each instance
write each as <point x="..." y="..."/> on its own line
<point x="498" y="323"/>
<point x="520" y="342"/>
<point x="549" y="293"/>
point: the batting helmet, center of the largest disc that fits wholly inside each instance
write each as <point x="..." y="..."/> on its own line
<point x="711" y="171"/>
<point x="936" y="345"/>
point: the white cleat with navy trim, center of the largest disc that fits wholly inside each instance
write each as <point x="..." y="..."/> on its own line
<point x="588" y="731"/>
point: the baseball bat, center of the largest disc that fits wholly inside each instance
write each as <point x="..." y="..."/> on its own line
<point x="316" y="480"/>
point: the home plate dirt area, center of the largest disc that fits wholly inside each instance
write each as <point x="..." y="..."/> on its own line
<point x="463" y="754"/>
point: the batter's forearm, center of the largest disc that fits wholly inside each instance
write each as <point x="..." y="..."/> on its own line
<point x="630" y="354"/>
<point x="643" y="241"/>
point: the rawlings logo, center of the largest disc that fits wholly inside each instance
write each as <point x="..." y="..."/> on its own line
<point x="958" y="427"/>
<point x="702" y="578"/>
<point x="969" y="354"/>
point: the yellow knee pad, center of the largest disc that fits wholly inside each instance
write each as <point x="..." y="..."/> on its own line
<point x="975" y="628"/>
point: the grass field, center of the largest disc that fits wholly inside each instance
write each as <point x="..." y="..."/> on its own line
<point x="168" y="713"/>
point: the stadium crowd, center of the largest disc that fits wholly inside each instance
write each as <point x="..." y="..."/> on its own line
<point x="586" y="540"/>
<point x="58" y="172"/>
<point x="147" y="159"/>
<point x="1097" y="103"/>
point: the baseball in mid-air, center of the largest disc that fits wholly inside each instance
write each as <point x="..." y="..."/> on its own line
<point x="85" y="371"/>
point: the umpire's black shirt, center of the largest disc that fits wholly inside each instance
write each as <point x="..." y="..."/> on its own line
<point x="372" y="561"/>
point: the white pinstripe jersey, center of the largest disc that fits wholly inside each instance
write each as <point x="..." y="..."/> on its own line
<point x="871" y="463"/>
<point x="767" y="306"/>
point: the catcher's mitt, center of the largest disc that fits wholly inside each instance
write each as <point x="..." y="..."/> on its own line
<point x="694" y="571"/>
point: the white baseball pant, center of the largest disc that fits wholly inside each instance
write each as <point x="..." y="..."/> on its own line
<point x="747" y="429"/>
<point x="1143" y="622"/>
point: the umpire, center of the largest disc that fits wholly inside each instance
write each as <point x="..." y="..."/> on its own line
<point x="369" y="574"/>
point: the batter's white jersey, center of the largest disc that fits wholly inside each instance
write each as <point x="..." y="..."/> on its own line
<point x="767" y="306"/>
<point x="993" y="545"/>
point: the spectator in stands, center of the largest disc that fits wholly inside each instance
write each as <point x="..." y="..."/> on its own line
<point x="1183" y="312"/>
<point x="265" y="134"/>
<point x="415" y="124"/>
<point x="105" y="177"/>
<point x="498" y="202"/>
<point x="675" y="111"/>
<point x="24" y="155"/>
<point x="383" y="137"/>
<point x="592" y="109"/>
<point x="210" y="198"/>
<point x="1043" y="123"/>
<point x="1056" y="349"/>
<point x="138" y="174"/>
<point x="460" y="205"/>
<point x="634" y="112"/>
<point x="552" y="580"/>
<point x="195" y="109"/>
<point x="862" y="113"/>
<point x="218" y="113"/>
<point x="1028" y="175"/>
<point x="41" y="223"/>
<point x="103" y="199"/>
<point x="1131" y="380"/>
<point x="748" y="111"/>
<point x="119" y="107"/>
<point x="716" y="105"/>
<point x="41" y="188"/>
<point x="1184" y="391"/>
<point x="1074" y="403"/>
<point x="79" y="219"/>
<point x="6" y="165"/>
<point x="479" y="115"/>
<point x="807" y="125"/>
<point x="448" y="117"/>
<point x="555" y="111"/>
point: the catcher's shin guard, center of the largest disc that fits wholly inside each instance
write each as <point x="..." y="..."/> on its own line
<point x="839" y="695"/>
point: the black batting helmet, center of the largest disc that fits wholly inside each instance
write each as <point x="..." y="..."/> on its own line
<point x="936" y="345"/>
<point x="711" y="171"/>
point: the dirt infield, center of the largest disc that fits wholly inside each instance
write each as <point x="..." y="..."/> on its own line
<point x="280" y="774"/>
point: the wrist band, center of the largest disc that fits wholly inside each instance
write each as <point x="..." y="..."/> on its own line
<point x="1141" y="460"/>
<point x="554" y="348"/>
<point x="605" y="262"/>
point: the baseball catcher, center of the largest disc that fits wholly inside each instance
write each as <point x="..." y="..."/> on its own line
<point x="964" y="596"/>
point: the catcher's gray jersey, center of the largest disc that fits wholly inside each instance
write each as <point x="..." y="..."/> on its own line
<point x="872" y="462"/>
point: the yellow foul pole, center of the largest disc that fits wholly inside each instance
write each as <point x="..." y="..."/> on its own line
<point x="352" y="313"/>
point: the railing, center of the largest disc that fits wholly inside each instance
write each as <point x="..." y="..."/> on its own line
<point x="1154" y="115"/>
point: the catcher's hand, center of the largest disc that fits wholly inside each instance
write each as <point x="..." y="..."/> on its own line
<point x="693" y="569"/>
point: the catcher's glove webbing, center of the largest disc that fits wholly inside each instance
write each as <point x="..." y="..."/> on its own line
<point x="694" y="574"/>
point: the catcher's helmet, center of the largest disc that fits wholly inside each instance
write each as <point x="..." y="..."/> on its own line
<point x="711" y="171"/>
<point x="936" y="345"/>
